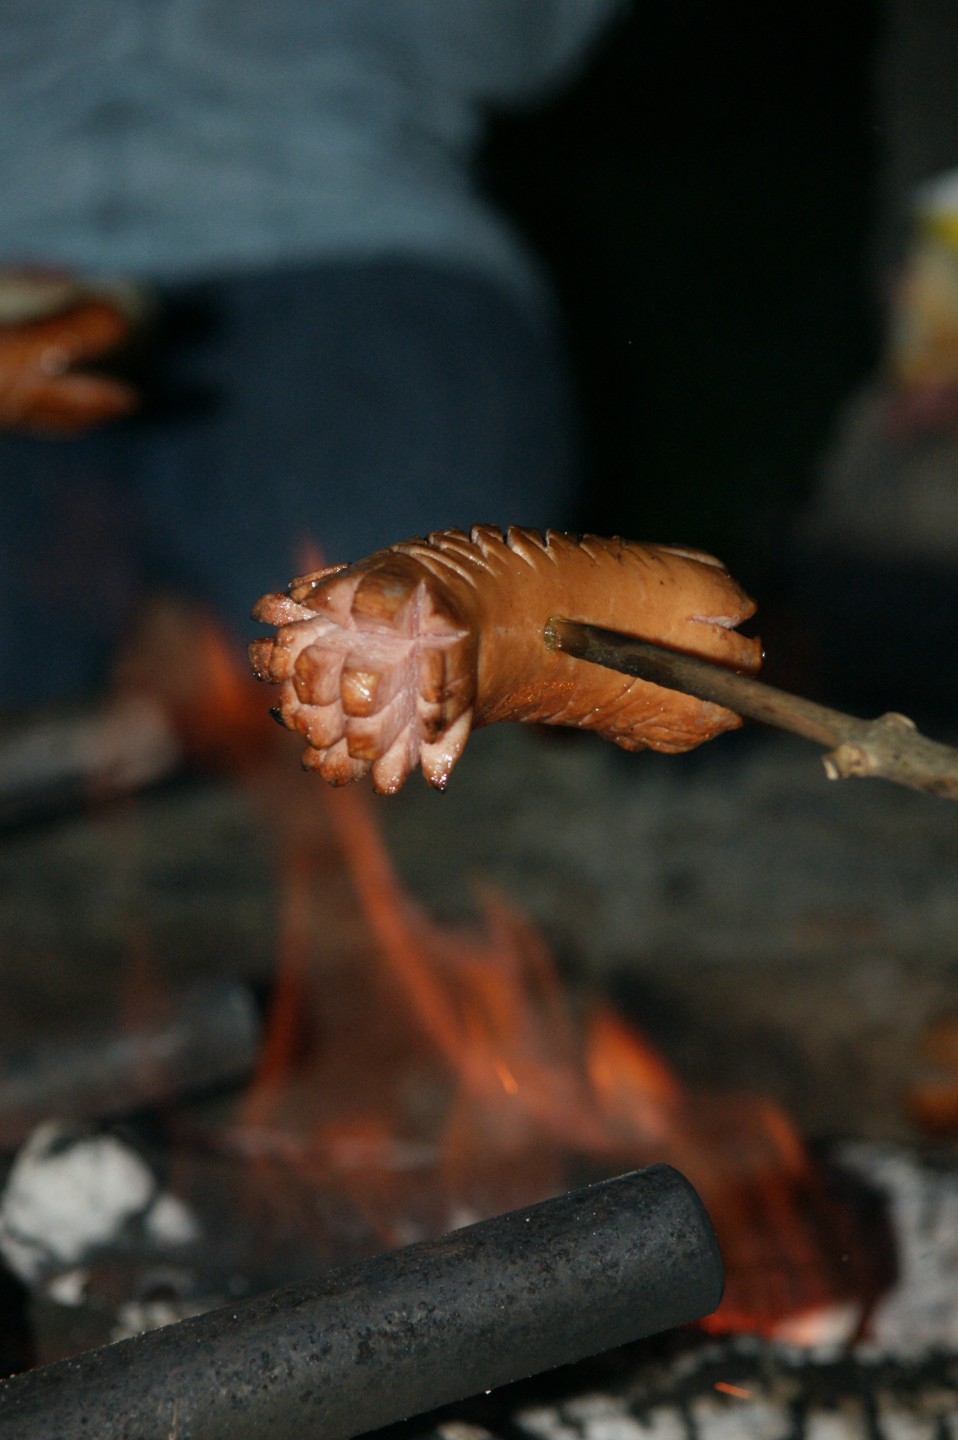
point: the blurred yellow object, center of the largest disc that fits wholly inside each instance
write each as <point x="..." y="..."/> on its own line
<point x="941" y="226"/>
<point x="922" y="347"/>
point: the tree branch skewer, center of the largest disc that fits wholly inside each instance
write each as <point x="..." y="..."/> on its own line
<point x="891" y="747"/>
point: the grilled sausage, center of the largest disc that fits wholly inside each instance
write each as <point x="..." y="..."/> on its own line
<point x="44" y="387"/>
<point x="390" y="662"/>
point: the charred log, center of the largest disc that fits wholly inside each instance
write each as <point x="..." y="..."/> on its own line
<point x="401" y="1334"/>
<point x="208" y="1036"/>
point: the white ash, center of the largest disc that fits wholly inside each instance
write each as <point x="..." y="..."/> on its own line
<point x="830" y="1326"/>
<point x="545" y="1422"/>
<point x="461" y="1216"/>
<point x="69" y="1287"/>
<point x="462" y="1430"/>
<point x="705" y="1418"/>
<point x="67" y="1194"/>
<point x="71" y="1192"/>
<point x="170" y="1221"/>
<point x="732" y="1417"/>
<point x="603" y="1418"/>
<point x="748" y="1389"/>
<point x="134" y="1317"/>
<point x="920" y="1312"/>
<point x="166" y="1294"/>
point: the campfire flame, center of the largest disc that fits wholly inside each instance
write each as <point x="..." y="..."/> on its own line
<point x="427" y="1075"/>
<point x="450" y="1077"/>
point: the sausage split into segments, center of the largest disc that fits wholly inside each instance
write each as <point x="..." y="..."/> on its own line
<point x="388" y="663"/>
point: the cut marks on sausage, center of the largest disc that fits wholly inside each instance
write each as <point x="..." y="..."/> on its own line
<point x="383" y="679"/>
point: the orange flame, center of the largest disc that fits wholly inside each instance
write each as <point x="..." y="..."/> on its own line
<point x="427" y="1074"/>
<point x="184" y="662"/>
<point x="449" y="1064"/>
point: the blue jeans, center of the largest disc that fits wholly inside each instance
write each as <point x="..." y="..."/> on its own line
<point x="329" y="409"/>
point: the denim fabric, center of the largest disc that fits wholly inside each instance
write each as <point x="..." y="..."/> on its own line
<point x="334" y="409"/>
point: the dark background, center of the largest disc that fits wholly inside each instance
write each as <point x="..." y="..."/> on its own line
<point x="704" y="196"/>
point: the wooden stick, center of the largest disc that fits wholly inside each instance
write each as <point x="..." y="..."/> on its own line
<point x="890" y="747"/>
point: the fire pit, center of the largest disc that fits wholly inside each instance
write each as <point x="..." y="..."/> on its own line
<point x="773" y="937"/>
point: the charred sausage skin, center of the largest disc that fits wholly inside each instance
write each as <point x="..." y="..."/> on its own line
<point x="388" y="663"/>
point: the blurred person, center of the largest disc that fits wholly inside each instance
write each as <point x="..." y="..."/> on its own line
<point x="254" y="302"/>
<point x="878" y="544"/>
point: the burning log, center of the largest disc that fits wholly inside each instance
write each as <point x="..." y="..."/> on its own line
<point x="167" y="709"/>
<point x="401" y="1334"/>
<point x="62" y="762"/>
<point x="890" y="747"/>
<point x="208" y="1036"/>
